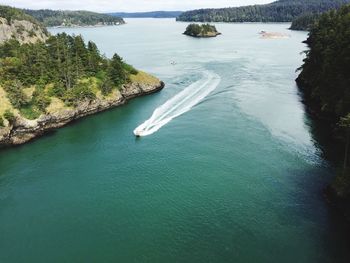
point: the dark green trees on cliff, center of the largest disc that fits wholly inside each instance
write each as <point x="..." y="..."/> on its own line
<point x="62" y="67"/>
<point x="325" y="74"/>
<point x="325" y="82"/>
<point x="304" y="22"/>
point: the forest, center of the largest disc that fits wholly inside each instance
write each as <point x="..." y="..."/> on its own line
<point x="63" y="67"/>
<point x="325" y="83"/>
<point x="154" y="14"/>
<point x="304" y="22"/>
<point x="279" y="11"/>
<point x="52" y="18"/>
<point x="11" y="13"/>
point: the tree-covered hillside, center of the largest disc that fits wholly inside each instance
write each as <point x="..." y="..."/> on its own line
<point x="325" y="82"/>
<point x="63" y="67"/>
<point x="279" y="11"/>
<point x="73" y="18"/>
<point x="152" y="14"/>
<point x="304" y="22"/>
<point x="11" y="14"/>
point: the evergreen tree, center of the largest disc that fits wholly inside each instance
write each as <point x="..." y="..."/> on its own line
<point x="116" y="72"/>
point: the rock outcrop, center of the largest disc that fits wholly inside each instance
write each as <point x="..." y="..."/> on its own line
<point x="22" y="30"/>
<point x="23" y="130"/>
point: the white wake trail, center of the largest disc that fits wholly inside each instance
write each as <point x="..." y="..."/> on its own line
<point x="179" y="104"/>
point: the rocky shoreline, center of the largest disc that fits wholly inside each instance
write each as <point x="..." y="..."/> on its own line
<point x="207" y="35"/>
<point x="23" y="130"/>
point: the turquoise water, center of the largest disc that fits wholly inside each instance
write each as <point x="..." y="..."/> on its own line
<point x="237" y="178"/>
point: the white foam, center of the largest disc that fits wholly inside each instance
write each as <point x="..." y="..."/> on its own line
<point x="179" y="104"/>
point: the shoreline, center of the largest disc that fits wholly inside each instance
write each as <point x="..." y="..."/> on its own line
<point x="23" y="130"/>
<point x="87" y="26"/>
<point x="204" y="36"/>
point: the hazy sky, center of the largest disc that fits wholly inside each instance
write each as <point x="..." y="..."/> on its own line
<point x="128" y="5"/>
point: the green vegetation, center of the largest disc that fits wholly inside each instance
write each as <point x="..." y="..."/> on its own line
<point x="73" y="18"/>
<point x="8" y="115"/>
<point x="20" y="29"/>
<point x="153" y="14"/>
<point x="304" y="22"/>
<point x="11" y="13"/>
<point x="204" y="30"/>
<point x="325" y="82"/>
<point x="279" y="11"/>
<point x="63" y="67"/>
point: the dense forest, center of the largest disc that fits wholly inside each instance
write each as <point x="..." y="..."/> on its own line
<point x="205" y="30"/>
<point x="279" y="11"/>
<point x="11" y="13"/>
<point x="73" y="18"/>
<point x="325" y="82"/>
<point x="63" y="67"/>
<point x="153" y="14"/>
<point x="304" y="22"/>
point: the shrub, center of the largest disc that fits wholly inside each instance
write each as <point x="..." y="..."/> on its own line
<point x="8" y="115"/>
<point x="78" y="93"/>
<point x="57" y="90"/>
<point x="30" y="112"/>
<point x="40" y="99"/>
<point x="2" y="121"/>
<point x="130" y="69"/>
<point x="106" y="86"/>
<point x="15" y="94"/>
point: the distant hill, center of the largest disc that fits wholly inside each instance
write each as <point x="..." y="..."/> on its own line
<point x="278" y="11"/>
<point x="73" y="18"/>
<point x="14" y="23"/>
<point x="153" y="14"/>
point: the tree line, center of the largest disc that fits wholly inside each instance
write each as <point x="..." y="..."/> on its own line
<point x="304" y="22"/>
<point x="63" y="67"/>
<point x="10" y="13"/>
<point x="68" y="18"/>
<point x="279" y="11"/>
<point x="325" y="82"/>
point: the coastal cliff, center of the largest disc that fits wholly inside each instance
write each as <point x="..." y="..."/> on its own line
<point x="22" y="130"/>
<point x="14" y="24"/>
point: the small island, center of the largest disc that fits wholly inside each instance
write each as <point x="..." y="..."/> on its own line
<point x="201" y="31"/>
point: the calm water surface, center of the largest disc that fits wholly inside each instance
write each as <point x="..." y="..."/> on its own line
<point x="237" y="178"/>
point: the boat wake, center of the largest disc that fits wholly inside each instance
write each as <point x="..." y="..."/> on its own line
<point x="179" y="104"/>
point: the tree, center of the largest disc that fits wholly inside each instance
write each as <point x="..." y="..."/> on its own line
<point x="8" y="115"/>
<point x="94" y="57"/>
<point x="116" y="72"/>
<point x="345" y="125"/>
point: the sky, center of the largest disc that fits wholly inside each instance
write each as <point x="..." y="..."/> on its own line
<point x="127" y="5"/>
